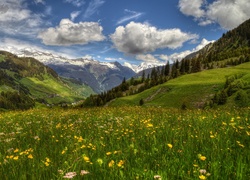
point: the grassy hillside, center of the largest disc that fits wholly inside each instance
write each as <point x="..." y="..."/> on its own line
<point x="28" y="78"/>
<point x="192" y="89"/>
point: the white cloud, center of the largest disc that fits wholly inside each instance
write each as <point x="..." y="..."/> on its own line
<point x="131" y="15"/>
<point x="147" y="58"/>
<point x="74" y="15"/>
<point x="87" y="57"/>
<point x="227" y="13"/>
<point x="192" y="8"/>
<point x="17" y="19"/>
<point x="183" y="54"/>
<point x="77" y="3"/>
<point x="69" y="33"/>
<point x="93" y="7"/>
<point x="138" y="38"/>
<point x="40" y="1"/>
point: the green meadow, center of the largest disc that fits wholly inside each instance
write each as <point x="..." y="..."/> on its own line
<point x="125" y="143"/>
<point x="192" y="89"/>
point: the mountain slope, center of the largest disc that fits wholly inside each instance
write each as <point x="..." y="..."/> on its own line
<point x="29" y="77"/>
<point x="232" y="44"/>
<point x="195" y="90"/>
<point x="100" y="76"/>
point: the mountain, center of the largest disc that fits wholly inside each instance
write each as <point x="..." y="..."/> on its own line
<point x="234" y="43"/>
<point x="24" y="79"/>
<point x="100" y="76"/>
<point x="218" y="74"/>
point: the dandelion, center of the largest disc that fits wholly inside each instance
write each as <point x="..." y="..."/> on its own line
<point x="16" y="150"/>
<point x="108" y="153"/>
<point x="170" y="146"/>
<point x="201" y="157"/>
<point x="86" y="158"/>
<point x="30" y="156"/>
<point x="120" y="163"/>
<point x="111" y="163"/>
<point x="202" y="177"/>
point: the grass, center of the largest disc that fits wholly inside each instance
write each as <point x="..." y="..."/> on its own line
<point x="193" y="89"/>
<point x="49" y="86"/>
<point x="125" y="143"/>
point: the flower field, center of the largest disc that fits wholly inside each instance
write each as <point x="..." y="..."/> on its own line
<point x="125" y="143"/>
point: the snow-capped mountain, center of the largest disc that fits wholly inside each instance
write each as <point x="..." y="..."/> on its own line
<point x="100" y="76"/>
<point x="142" y="66"/>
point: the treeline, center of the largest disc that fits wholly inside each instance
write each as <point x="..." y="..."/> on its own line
<point x="15" y="100"/>
<point x="160" y="75"/>
<point x="157" y="76"/>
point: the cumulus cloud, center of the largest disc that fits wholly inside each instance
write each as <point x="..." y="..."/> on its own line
<point x="183" y="54"/>
<point x="69" y="33"/>
<point x="192" y="8"/>
<point x="147" y="58"/>
<point x="129" y="16"/>
<point x="227" y="13"/>
<point x="17" y="19"/>
<point x="138" y="38"/>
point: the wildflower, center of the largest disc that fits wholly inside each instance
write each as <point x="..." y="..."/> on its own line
<point x="85" y="158"/>
<point x="202" y="177"/>
<point x="212" y="136"/>
<point x="70" y="175"/>
<point x="46" y="163"/>
<point x="149" y="125"/>
<point x="111" y="163"/>
<point x="203" y="158"/>
<point x="15" y="158"/>
<point x="60" y="171"/>
<point x="195" y="165"/>
<point x="99" y="161"/>
<point x="120" y="163"/>
<point x="16" y="150"/>
<point x="30" y="156"/>
<point x="170" y="146"/>
<point x="108" y="153"/>
<point x="83" y="172"/>
<point x="202" y="171"/>
<point x="157" y="177"/>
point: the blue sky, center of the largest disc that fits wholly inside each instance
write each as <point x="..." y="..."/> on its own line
<point x="131" y="31"/>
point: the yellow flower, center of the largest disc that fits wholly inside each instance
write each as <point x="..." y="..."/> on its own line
<point x="111" y="163"/>
<point x="86" y="158"/>
<point x="120" y="164"/>
<point x="203" y="158"/>
<point x="170" y="146"/>
<point x="63" y="152"/>
<point x="108" y="153"/>
<point x="46" y="163"/>
<point x="149" y="125"/>
<point x="15" y="158"/>
<point x="16" y="150"/>
<point x="202" y="177"/>
<point x="30" y="156"/>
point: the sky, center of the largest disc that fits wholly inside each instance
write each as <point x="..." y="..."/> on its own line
<point x="129" y="31"/>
